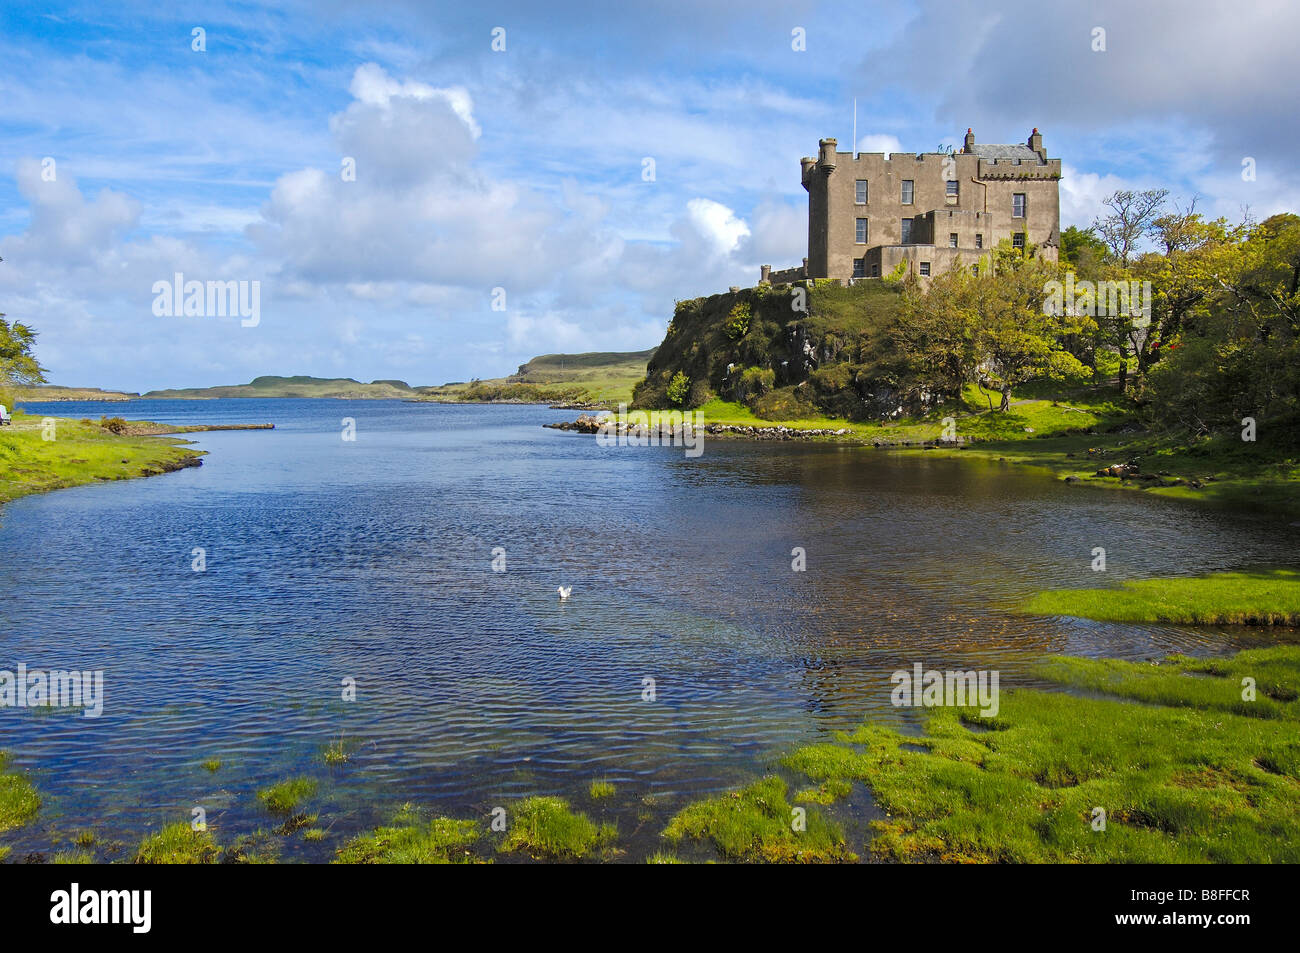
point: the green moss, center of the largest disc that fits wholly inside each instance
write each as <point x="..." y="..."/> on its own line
<point x="178" y="844"/>
<point x="757" y="824"/>
<point x="285" y="797"/>
<point x="545" y="827"/>
<point x="1251" y="598"/>
<point x="212" y="765"/>
<point x="441" y="841"/>
<point x="830" y="791"/>
<point x="1189" y="780"/>
<point x="19" y="801"/>
<point x="600" y="789"/>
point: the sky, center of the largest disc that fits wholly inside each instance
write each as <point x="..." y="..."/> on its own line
<point x="438" y="191"/>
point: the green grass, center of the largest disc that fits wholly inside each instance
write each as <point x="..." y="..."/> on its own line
<point x="80" y="453"/>
<point x="212" y="765"/>
<point x="286" y="796"/>
<point x="178" y="844"/>
<point x="546" y="827"/>
<point x="600" y="789"/>
<point x="19" y="801"/>
<point x="73" y="857"/>
<point x="757" y="824"/>
<point x="1182" y="779"/>
<point x="1270" y="597"/>
<point x="440" y="841"/>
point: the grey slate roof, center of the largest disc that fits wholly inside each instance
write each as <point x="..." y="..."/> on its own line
<point x="1017" y="151"/>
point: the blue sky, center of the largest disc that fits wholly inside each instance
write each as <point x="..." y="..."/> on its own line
<point x="521" y="169"/>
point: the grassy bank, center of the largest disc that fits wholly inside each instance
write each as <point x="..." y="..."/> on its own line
<point x="1194" y="775"/>
<point x="1267" y="597"/>
<point x="81" y="452"/>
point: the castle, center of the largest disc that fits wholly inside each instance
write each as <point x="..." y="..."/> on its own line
<point x="868" y="212"/>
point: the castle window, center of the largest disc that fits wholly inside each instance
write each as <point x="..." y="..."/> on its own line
<point x="859" y="268"/>
<point x="1018" y="240"/>
<point x="925" y="269"/>
<point x="1018" y="205"/>
<point x="952" y="188"/>
<point x="861" y="237"/>
<point x="906" y="232"/>
<point x="979" y="240"/>
<point x="952" y="239"/>
<point x="875" y="271"/>
<point x="860" y="192"/>
<point x="975" y="270"/>
<point x="907" y="191"/>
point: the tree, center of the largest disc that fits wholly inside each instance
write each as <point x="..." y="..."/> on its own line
<point x="935" y="333"/>
<point x="1018" y="339"/>
<point x="1082" y="250"/>
<point x="1130" y="217"/>
<point x="18" y="367"/>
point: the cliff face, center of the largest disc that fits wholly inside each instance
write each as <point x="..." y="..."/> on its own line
<point x="756" y="347"/>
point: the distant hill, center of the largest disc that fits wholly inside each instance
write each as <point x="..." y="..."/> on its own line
<point x="43" y="392"/>
<point x="301" y="386"/>
<point x="596" y="377"/>
<point x="605" y="377"/>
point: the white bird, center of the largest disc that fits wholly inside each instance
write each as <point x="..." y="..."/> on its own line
<point x="564" y="592"/>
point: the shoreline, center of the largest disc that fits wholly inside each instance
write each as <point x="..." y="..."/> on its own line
<point x="83" y="452"/>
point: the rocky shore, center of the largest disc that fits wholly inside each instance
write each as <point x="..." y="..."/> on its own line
<point x="591" y="423"/>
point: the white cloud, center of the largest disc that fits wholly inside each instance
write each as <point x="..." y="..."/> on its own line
<point x="717" y="224"/>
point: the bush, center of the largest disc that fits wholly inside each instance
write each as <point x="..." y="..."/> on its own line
<point x="113" y="424"/>
<point x="737" y="323"/>
<point x="679" y="389"/>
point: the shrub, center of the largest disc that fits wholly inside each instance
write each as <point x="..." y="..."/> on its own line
<point x="737" y="323"/>
<point x="679" y="388"/>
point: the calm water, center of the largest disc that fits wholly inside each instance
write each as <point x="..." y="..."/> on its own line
<point x="371" y="560"/>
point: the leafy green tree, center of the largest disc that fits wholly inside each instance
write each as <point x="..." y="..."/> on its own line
<point x="1017" y="339"/>
<point x="1083" y="251"/>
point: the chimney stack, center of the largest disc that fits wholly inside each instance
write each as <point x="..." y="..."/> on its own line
<point x="1036" y="143"/>
<point x="969" y="145"/>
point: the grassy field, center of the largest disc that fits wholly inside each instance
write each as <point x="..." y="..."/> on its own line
<point x="81" y="452"/>
<point x="1266" y="597"/>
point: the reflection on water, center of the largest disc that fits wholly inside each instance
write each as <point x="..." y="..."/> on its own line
<point x="372" y="560"/>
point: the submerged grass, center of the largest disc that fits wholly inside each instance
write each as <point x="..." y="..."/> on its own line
<point x="1270" y="597"/>
<point x="440" y="841"/>
<point x="546" y="827"/>
<point x="759" y="824"/>
<point x="1189" y="780"/>
<point x="286" y="796"/>
<point x="19" y="801"/>
<point x="178" y="844"/>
